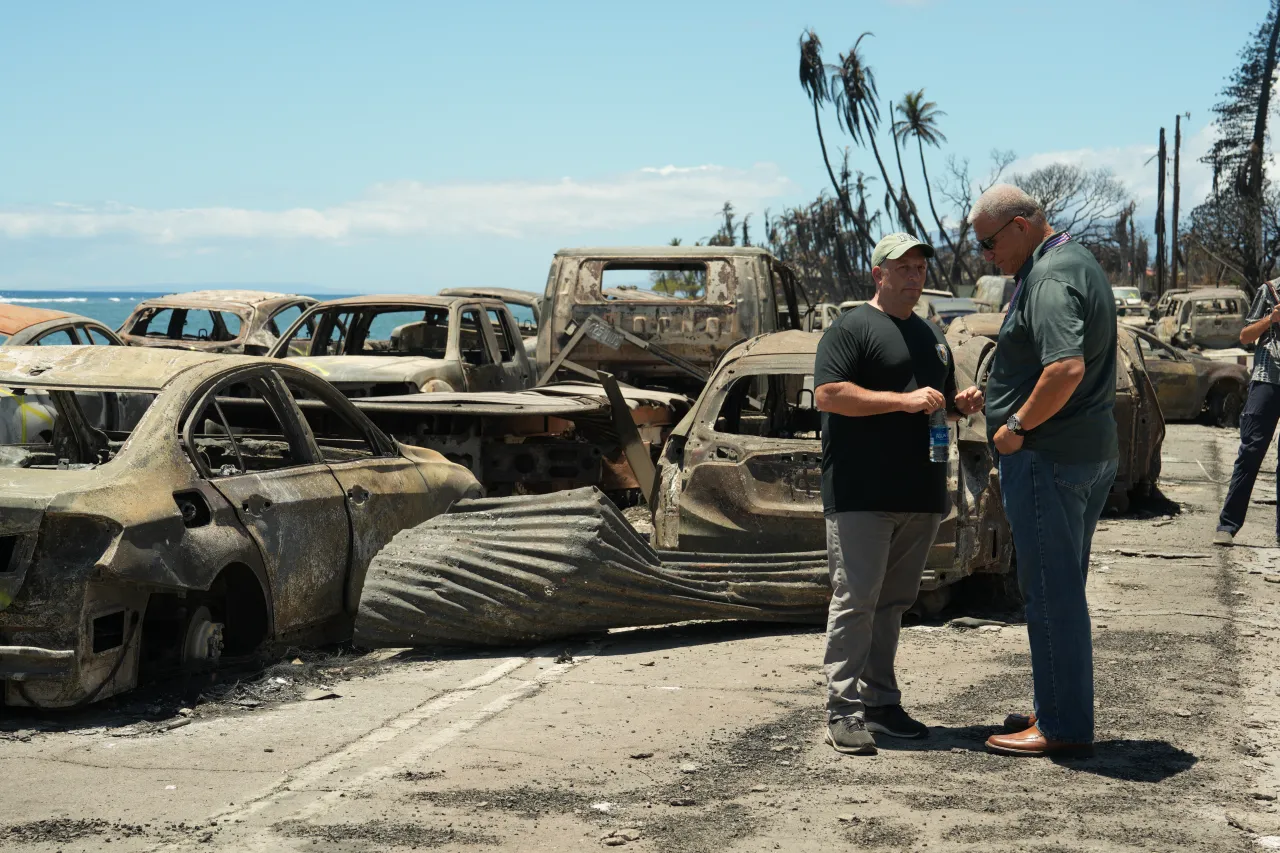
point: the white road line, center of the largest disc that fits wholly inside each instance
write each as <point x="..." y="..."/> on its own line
<point x="415" y="754"/>
<point x="316" y="771"/>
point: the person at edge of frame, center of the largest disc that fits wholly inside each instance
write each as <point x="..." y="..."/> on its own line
<point x="1260" y="414"/>
<point x="1050" y="416"/>
<point x="879" y="374"/>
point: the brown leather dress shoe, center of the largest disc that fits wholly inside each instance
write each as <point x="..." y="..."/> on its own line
<point x="1032" y="742"/>
<point x="1018" y="722"/>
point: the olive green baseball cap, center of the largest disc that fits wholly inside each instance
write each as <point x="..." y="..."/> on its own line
<point x="893" y="246"/>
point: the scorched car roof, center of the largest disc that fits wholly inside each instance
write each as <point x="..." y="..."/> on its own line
<point x="142" y="368"/>
<point x="665" y="252"/>
<point x="214" y="298"/>
<point x="15" y="318"/>
<point x="404" y="299"/>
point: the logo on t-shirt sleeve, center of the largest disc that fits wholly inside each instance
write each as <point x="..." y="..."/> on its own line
<point x="943" y="355"/>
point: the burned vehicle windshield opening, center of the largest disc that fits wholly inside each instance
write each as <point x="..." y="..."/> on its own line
<point x="188" y="324"/>
<point x="629" y="281"/>
<point x="775" y="405"/>
<point x="391" y="330"/>
<point x="58" y="428"/>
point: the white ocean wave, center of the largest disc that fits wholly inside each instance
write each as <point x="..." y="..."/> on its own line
<point x="113" y="298"/>
<point x="44" y="299"/>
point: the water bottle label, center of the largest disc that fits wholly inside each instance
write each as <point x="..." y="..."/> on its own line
<point x="939" y="436"/>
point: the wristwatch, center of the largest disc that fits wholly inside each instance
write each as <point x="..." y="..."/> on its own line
<point x="1014" y="425"/>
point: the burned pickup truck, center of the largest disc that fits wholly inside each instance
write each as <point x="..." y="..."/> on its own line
<point x="661" y="316"/>
<point x="173" y="508"/>
<point x="742" y="473"/>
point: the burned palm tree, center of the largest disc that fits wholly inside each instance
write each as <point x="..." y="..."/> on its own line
<point x="858" y="109"/>
<point x="920" y="120"/>
<point x="813" y="79"/>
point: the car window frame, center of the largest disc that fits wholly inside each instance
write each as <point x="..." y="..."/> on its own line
<point x="384" y="446"/>
<point x="486" y="333"/>
<point x="68" y="328"/>
<point x="295" y="427"/>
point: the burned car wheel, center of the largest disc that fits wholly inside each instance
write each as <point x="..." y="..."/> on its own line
<point x="1224" y="405"/>
<point x="203" y="641"/>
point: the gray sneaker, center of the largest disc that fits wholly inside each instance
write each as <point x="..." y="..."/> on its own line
<point x="850" y="736"/>
<point x="893" y="721"/>
<point x="1224" y="537"/>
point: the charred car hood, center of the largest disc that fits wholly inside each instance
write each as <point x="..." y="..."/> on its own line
<point x="373" y="368"/>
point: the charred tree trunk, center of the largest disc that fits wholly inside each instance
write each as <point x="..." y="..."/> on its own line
<point x="1254" y="179"/>
<point x="1160" y="235"/>
<point x="1177" y="150"/>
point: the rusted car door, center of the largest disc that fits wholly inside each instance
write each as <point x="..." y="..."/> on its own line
<point x="1173" y="375"/>
<point x="253" y="449"/>
<point x="517" y="374"/>
<point x="477" y="350"/>
<point x="384" y="491"/>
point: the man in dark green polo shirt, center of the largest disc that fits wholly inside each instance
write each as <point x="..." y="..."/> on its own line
<point x="1050" y="401"/>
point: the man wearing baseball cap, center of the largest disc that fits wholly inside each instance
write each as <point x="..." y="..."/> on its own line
<point x="881" y="371"/>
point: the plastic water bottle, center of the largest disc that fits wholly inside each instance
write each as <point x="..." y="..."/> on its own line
<point x="939" y="436"/>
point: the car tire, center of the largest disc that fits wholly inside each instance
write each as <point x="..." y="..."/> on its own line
<point x="1225" y="404"/>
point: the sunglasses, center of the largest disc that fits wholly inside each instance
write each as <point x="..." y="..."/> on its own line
<point x="989" y="244"/>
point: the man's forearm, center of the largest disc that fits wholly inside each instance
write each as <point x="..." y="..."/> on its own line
<point x="1054" y="388"/>
<point x="854" y="401"/>
<point x="1253" y="331"/>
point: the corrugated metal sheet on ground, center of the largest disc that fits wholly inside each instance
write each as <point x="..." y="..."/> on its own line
<point x="501" y="571"/>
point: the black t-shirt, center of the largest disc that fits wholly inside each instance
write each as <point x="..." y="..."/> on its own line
<point x="880" y="463"/>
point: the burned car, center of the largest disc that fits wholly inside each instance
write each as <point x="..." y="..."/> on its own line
<point x="1191" y="387"/>
<point x="23" y="326"/>
<point x="247" y="322"/>
<point x="742" y="473"/>
<point x="1137" y="409"/>
<point x="180" y="507"/>
<point x="525" y="305"/>
<point x="1130" y="306"/>
<point x="1210" y="318"/>
<point x="542" y="440"/>
<point x="663" y="315"/>
<point x="379" y="346"/>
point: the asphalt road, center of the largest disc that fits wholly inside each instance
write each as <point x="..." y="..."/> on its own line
<point x="709" y="736"/>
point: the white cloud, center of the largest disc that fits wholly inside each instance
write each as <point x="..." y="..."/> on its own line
<point x="1136" y="168"/>
<point x="648" y="196"/>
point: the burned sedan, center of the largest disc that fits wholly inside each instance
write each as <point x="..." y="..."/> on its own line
<point x="1190" y="386"/>
<point x="168" y="508"/>
<point x="247" y="322"/>
<point x="1139" y="420"/>
<point x="24" y="326"/>
<point x="742" y="473"/>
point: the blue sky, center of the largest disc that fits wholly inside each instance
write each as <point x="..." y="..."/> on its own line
<point x="412" y="146"/>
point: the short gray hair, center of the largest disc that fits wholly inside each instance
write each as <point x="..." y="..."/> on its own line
<point x="1005" y="201"/>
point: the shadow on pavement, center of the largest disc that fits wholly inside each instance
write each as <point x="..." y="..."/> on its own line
<point x="1127" y="760"/>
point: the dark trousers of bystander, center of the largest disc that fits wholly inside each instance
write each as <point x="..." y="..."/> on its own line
<point x="1257" y="426"/>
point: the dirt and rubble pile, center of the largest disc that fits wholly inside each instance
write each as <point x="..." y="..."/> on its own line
<point x="524" y="569"/>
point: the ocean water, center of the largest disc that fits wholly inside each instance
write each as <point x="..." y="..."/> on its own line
<point x="108" y="308"/>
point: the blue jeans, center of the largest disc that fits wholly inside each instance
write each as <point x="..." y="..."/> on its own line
<point x="1053" y="509"/>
